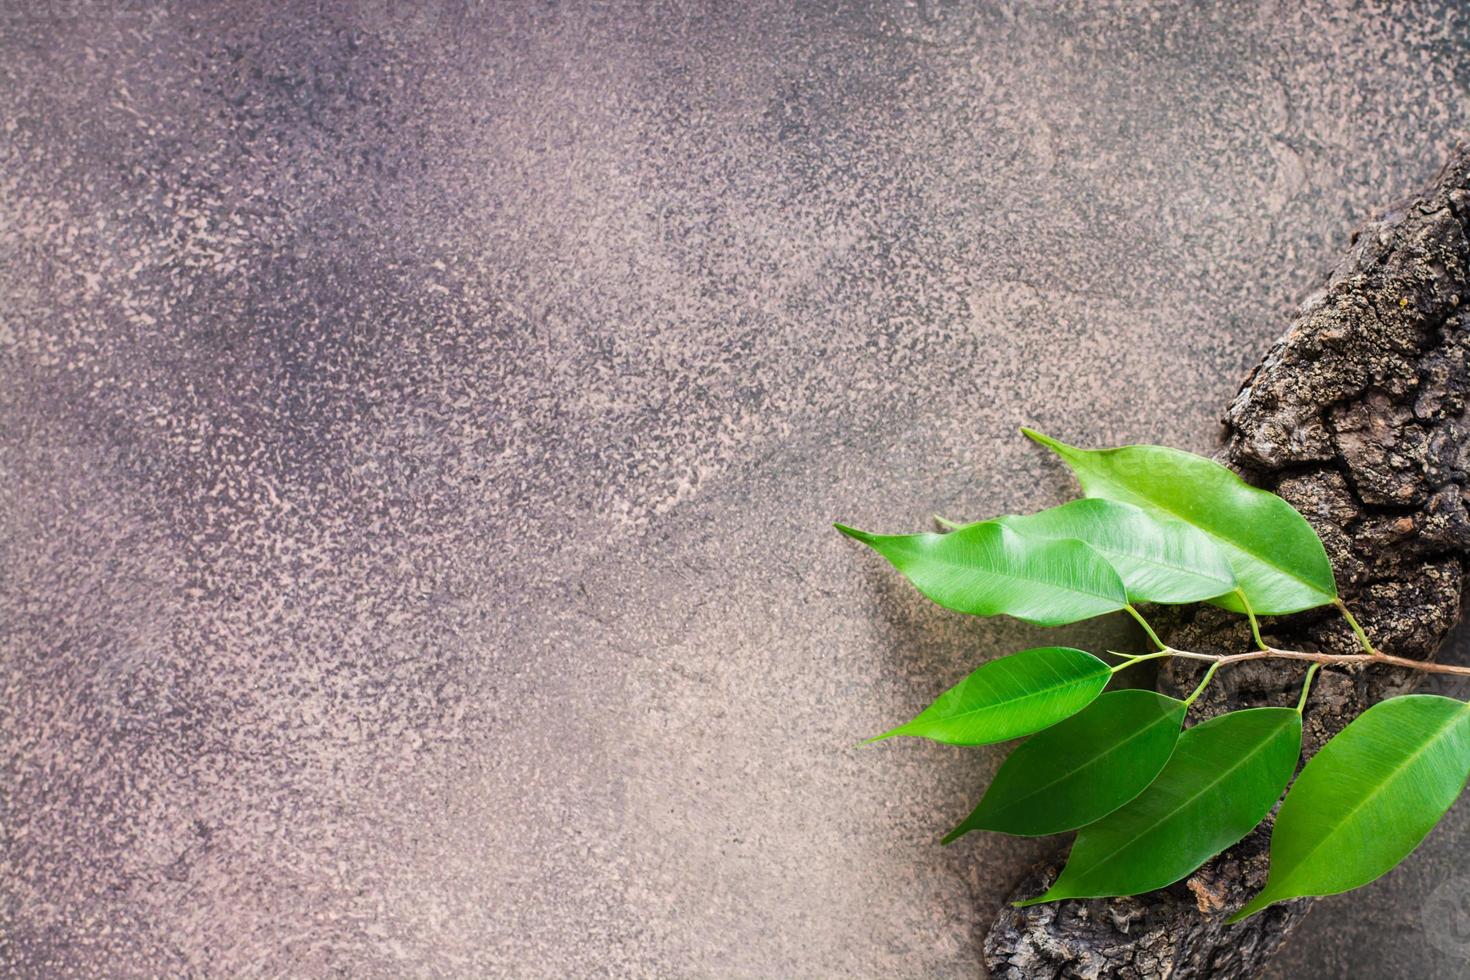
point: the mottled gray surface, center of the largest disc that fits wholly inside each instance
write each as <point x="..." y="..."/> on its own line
<point x="419" y="426"/>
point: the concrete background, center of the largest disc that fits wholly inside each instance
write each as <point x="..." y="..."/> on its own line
<point x="419" y="428"/>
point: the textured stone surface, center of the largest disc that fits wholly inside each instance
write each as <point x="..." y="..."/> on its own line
<point x="419" y="427"/>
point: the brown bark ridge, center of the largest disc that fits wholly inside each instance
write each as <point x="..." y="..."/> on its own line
<point x="1357" y="416"/>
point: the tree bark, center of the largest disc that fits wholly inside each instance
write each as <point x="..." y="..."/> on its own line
<point x="1357" y="416"/>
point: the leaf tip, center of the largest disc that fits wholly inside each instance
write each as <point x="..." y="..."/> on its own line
<point x="1056" y="446"/>
<point x="854" y="533"/>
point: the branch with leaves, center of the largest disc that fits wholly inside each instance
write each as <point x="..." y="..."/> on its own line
<point x="1151" y="801"/>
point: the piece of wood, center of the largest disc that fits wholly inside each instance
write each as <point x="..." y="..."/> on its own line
<point x="1357" y="416"/>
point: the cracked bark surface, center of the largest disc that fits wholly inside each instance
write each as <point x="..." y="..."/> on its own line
<point x="1357" y="416"/>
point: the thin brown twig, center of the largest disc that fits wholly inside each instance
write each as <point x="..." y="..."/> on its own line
<point x="1267" y="652"/>
<point x="1377" y="657"/>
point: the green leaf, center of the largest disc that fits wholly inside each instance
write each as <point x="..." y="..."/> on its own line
<point x="1159" y="559"/>
<point x="1082" y="769"/>
<point x="1010" y="697"/>
<point x="1223" y="778"/>
<point x="1367" y="799"/>
<point x="1279" y="561"/>
<point x="988" y="570"/>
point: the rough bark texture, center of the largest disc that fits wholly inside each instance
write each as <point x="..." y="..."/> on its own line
<point x="1357" y="416"/>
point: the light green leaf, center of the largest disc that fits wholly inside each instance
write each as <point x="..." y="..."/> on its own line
<point x="1159" y="559"/>
<point x="1224" y="777"/>
<point x="988" y="570"/>
<point x="1082" y="769"/>
<point x="1010" y="697"/>
<point x="1367" y="799"/>
<point x="1278" y="560"/>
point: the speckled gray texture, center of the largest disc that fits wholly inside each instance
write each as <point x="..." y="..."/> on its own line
<point x="419" y="427"/>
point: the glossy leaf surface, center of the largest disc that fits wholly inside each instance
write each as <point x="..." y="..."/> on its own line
<point x="1159" y="559"/>
<point x="1223" y="778"/>
<point x="987" y="570"/>
<point x="1367" y="799"/>
<point x="1278" y="560"/>
<point x="1010" y="697"/>
<point x="1081" y="769"/>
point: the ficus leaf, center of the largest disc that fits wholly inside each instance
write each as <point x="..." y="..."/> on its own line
<point x="1159" y="559"/>
<point x="1367" y="799"/>
<point x="1010" y="697"/>
<point x="1223" y="778"/>
<point x="1279" y="561"/>
<point x="987" y="570"/>
<point x="1081" y="769"/>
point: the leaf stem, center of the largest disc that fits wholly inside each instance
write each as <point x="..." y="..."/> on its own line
<point x="1203" y="681"/>
<point x="1307" y="687"/>
<point x="1352" y="621"/>
<point x="1251" y="615"/>
<point x="1131" y="659"/>
<point x="1146" y="627"/>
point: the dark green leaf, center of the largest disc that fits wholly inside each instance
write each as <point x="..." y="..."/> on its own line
<point x="988" y="570"/>
<point x="1223" y="778"/>
<point x="1159" y="559"/>
<point x="1367" y="799"/>
<point x="1011" y="697"/>
<point x="1082" y="769"/>
<point x="1278" y="560"/>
